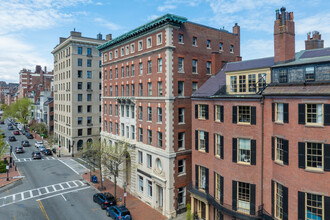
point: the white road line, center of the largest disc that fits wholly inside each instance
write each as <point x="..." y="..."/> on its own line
<point x="63" y="197"/>
<point x="75" y="190"/>
<point x="61" y="186"/>
<point x="80" y="164"/>
<point x="31" y="193"/>
<point x="14" y="155"/>
<point x="39" y="191"/>
<point x="74" y="182"/>
<point x="22" y="195"/>
<point x="54" y="188"/>
<point x="47" y="191"/>
<point x="14" y="197"/>
<point x="80" y="182"/>
<point x="69" y="167"/>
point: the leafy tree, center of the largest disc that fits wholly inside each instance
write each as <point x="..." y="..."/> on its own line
<point x="19" y="110"/>
<point x="113" y="159"/>
<point x="3" y="145"/>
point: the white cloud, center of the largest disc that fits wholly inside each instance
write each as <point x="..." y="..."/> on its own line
<point x="166" y="7"/>
<point x="108" y="24"/>
<point x="99" y="3"/>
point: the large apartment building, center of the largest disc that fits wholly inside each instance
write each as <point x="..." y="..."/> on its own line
<point x="77" y="90"/>
<point x="261" y="132"/>
<point x="149" y="75"/>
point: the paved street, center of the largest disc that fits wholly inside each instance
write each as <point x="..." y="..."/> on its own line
<point x="52" y="188"/>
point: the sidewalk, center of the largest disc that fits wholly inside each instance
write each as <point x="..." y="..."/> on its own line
<point x="138" y="209"/>
<point x="12" y="173"/>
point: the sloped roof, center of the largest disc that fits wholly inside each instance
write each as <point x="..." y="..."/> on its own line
<point x="250" y="64"/>
<point x="159" y="21"/>
<point x="298" y="89"/>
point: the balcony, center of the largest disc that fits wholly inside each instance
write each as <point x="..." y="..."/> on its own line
<point x="89" y="124"/>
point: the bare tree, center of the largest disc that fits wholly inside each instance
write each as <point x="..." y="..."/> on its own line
<point x="113" y="158"/>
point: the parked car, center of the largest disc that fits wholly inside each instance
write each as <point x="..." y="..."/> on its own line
<point x="9" y="123"/>
<point x="118" y="213"/>
<point x="16" y="132"/>
<point x="23" y="132"/>
<point x="41" y="148"/>
<point x="19" y="149"/>
<point x="47" y="152"/>
<point x="3" y="134"/>
<point x="10" y="127"/>
<point x="12" y="138"/>
<point x="38" y="144"/>
<point x="36" y="155"/>
<point x="25" y="143"/>
<point x="29" y="136"/>
<point x="2" y="122"/>
<point x="104" y="199"/>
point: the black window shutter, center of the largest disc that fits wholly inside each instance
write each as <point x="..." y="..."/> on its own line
<point x="327" y="157"/>
<point x="273" y="111"/>
<point x="214" y="111"/>
<point x="286" y="113"/>
<point x="327" y="210"/>
<point x="206" y="134"/>
<point x="272" y="193"/>
<point x="214" y="144"/>
<point x="196" y="111"/>
<point x="196" y="176"/>
<point x="285" y="152"/>
<point x="253" y="115"/>
<point x="301" y="205"/>
<point x="301" y="113"/>
<point x="221" y="113"/>
<point x="273" y="148"/>
<point x="234" y="196"/>
<point x="221" y="190"/>
<point x="234" y="114"/>
<point x="326" y="114"/>
<point x="301" y="153"/>
<point x="221" y="147"/>
<point x="285" y="202"/>
<point x="196" y="140"/>
<point x="207" y="112"/>
<point x="252" y="199"/>
<point x="235" y="150"/>
<point x="214" y="184"/>
<point x="253" y="152"/>
<point x="207" y="180"/>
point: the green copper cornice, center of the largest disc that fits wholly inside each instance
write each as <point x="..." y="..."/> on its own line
<point x="168" y="18"/>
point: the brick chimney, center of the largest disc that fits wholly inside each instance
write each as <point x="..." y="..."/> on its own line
<point x="284" y="36"/>
<point x="314" y="41"/>
<point x="108" y="37"/>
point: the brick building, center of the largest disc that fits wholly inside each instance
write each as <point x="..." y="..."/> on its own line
<point x="263" y="152"/>
<point x="7" y="88"/>
<point x="32" y="82"/>
<point x="149" y="75"/>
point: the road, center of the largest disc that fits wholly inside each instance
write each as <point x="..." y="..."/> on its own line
<point x="52" y="188"/>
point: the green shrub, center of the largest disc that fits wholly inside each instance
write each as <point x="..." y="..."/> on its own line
<point x="188" y="212"/>
<point x="2" y="167"/>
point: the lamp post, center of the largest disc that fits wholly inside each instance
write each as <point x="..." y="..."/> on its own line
<point x="72" y="148"/>
<point x="59" y="148"/>
<point x="10" y="158"/>
<point x="125" y="194"/>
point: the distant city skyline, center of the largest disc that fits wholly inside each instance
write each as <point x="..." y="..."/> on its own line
<point x="31" y="29"/>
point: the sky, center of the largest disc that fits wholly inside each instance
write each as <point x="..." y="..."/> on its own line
<point x="30" y="29"/>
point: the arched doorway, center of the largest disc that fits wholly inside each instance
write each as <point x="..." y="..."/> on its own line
<point x="89" y="142"/>
<point x="128" y="169"/>
<point x="80" y="145"/>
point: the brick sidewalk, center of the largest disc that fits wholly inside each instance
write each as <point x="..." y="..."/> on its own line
<point x="138" y="209"/>
<point x="12" y="173"/>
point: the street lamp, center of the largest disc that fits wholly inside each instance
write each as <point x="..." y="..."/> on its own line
<point x="72" y="148"/>
<point x="10" y="158"/>
<point x="59" y="148"/>
<point x="125" y="194"/>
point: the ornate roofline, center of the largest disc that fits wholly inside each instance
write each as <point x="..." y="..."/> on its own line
<point x="168" y="18"/>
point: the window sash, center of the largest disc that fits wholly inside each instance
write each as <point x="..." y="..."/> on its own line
<point x="314" y="206"/>
<point x="201" y="140"/>
<point x="314" y="155"/>
<point x="244" y="114"/>
<point x="217" y="187"/>
<point x="244" y="150"/>
<point x="202" y="177"/>
<point x="243" y="198"/>
<point x="278" y="209"/>
<point x="279" y="150"/>
<point x="314" y="113"/>
<point x="218" y="144"/>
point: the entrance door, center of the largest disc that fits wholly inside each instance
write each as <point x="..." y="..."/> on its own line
<point x="201" y="210"/>
<point x="160" y="197"/>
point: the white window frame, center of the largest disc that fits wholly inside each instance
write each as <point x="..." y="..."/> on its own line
<point x="140" y="157"/>
<point x="181" y="115"/>
<point x="127" y="49"/>
<point x="183" y="166"/>
<point x="132" y="47"/>
<point x="110" y="55"/>
<point x="116" y="53"/>
<point x="149" y="188"/>
<point x="159" y="114"/>
<point x="149" y="42"/>
<point x="140" y="45"/>
<point x="181" y="140"/>
<point x="180" y="41"/>
<point x="149" y="160"/>
<point x="140" y="183"/>
<point x="241" y="147"/>
<point x="122" y="51"/>
<point x="159" y="39"/>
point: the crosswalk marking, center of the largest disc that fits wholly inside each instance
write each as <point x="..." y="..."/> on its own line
<point x="28" y="194"/>
<point x="30" y="159"/>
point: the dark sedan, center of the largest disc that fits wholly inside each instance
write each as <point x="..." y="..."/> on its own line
<point x="36" y="155"/>
<point x="47" y="152"/>
<point x="104" y="199"/>
<point x="29" y="136"/>
<point x="12" y="138"/>
<point x="19" y="150"/>
<point x="25" y="143"/>
<point x="2" y="122"/>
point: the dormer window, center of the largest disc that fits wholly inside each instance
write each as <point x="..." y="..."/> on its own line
<point x="194" y="41"/>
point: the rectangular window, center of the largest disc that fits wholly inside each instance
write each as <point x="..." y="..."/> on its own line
<point x="278" y="197"/>
<point x="217" y="186"/>
<point x="140" y="45"/>
<point x="80" y="132"/>
<point x="110" y="55"/>
<point x="89" y="97"/>
<point x="141" y="134"/>
<point x="182" y="196"/>
<point x="182" y="166"/>
<point x="122" y="110"/>
<point x="208" y="67"/>
<point x="194" y="86"/>
<point x="89" y="51"/>
<point x="89" y="87"/>
<point x="127" y="90"/>
<point x="79" y="108"/>
<point x="181" y="115"/>
<point x="218" y="113"/>
<point x="89" y="120"/>
<point x="283" y="77"/>
<point x="314" y="156"/>
<point x="159" y="39"/>
<point x="160" y="88"/>
<point x="149" y="89"/>
<point x="116" y="90"/>
<point x="217" y="145"/>
<point x="149" y="161"/>
<point x="140" y="157"/>
<point x="105" y="109"/>
<point x="202" y="177"/>
<point x="159" y="115"/>
<point x="202" y="111"/>
<point x="160" y="139"/>
<point x="149" y="136"/>
<point x="127" y="49"/>
<point x="127" y="71"/>
<point x="116" y="53"/>
<point x="261" y="81"/>
<point x="149" y="114"/>
<point x="105" y="126"/>
<point x="133" y="70"/>
<point x="89" y="131"/>
<point x="110" y="126"/>
<point x="244" y="150"/>
<point x="89" y="63"/>
<point x="180" y="64"/>
<point x="132" y="111"/>
<point x="127" y="111"/>
<point x="122" y="51"/>
<point x="244" y="114"/>
<point x="233" y="84"/>
<point x="79" y="75"/>
<point x="89" y="74"/>
<point x="80" y="50"/>
<point x="314" y="113"/>
<point x="314" y="207"/>
<point x="180" y="38"/>
<point x="89" y="108"/>
<point x="116" y="110"/>
<point x="79" y="62"/>
<point x="132" y="48"/>
<point x="140" y="68"/>
<point x="194" y="66"/>
<point x="242" y="83"/>
<point x="252" y="82"/>
<point x="122" y="129"/>
<point x="127" y="131"/>
<point x="80" y="97"/>
<point x="231" y="49"/>
<point x="79" y="85"/>
<point x="116" y="73"/>
<point x="133" y="90"/>
<point x="221" y="46"/>
<point x="181" y="140"/>
<point x="201" y="141"/>
<point x="141" y="183"/>
<point x="140" y="113"/>
<point x="149" y="42"/>
<point x="243" y="197"/>
<point x="117" y="128"/>
<point x="208" y="44"/>
<point x="122" y="72"/>
<point x="279" y="112"/>
<point x="149" y="188"/>
<point x="309" y="73"/>
<point x="140" y="89"/>
<point x="194" y="41"/>
<point x="80" y="119"/>
<point x="149" y="66"/>
<point x="132" y="132"/>
<point x="180" y="88"/>
<point x="279" y="153"/>
<point x="110" y="109"/>
<point x="160" y="65"/>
